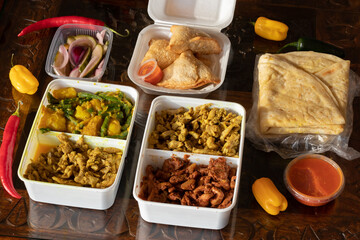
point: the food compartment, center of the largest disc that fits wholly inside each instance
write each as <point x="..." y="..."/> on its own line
<point x="92" y="60"/>
<point x="99" y="110"/>
<point x="64" y="194"/>
<point x="177" y="214"/>
<point x="203" y="29"/>
<point x="218" y="61"/>
<point x="185" y="215"/>
<point x="86" y="197"/>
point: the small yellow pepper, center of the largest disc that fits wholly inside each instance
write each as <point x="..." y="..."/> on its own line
<point x="268" y="196"/>
<point x="23" y="80"/>
<point x="271" y="29"/>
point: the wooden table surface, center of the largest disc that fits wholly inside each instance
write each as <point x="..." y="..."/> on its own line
<point x="334" y="21"/>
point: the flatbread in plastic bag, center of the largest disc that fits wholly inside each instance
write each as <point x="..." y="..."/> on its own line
<point x="302" y="103"/>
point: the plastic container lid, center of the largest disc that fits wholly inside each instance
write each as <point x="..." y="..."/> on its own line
<point x="210" y="14"/>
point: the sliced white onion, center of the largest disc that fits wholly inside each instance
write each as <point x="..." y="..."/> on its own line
<point x="61" y="64"/>
<point x="99" y="68"/>
<point x="100" y="36"/>
<point x="75" y="73"/>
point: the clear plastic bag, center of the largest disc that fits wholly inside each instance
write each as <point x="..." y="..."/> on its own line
<point x="293" y="145"/>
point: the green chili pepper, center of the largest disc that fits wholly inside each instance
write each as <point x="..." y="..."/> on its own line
<point x="308" y="44"/>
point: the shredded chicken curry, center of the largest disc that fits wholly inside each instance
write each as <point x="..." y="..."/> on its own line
<point x="202" y="130"/>
<point x="76" y="164"/>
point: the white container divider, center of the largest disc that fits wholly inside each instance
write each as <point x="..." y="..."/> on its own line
<point x="83" y="197"/>
<point x="180" y="215"/>
<point x="207" y="15"/>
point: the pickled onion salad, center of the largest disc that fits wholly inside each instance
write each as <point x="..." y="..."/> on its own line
<point x="81" y="56"/>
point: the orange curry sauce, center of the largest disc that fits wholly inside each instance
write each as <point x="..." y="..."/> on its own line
<point x="42" y="148"/>
<point x="314" y="177"/>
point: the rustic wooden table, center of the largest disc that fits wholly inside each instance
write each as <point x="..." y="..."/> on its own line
<point x="337" y="22"/>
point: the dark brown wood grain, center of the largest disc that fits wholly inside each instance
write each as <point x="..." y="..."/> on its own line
<point x="337" y="22"/>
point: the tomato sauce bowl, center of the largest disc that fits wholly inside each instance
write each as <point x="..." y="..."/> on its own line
<point x="313" y="179"/>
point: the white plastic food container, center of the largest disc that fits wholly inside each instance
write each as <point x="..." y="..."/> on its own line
<point x="84" y="197"/>
<point x="66" y="30"/>
<point x="181" y="215"/>
<point x="208" y="15"/>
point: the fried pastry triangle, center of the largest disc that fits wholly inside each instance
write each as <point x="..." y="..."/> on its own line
<point x="185" y="38"/>
<point x="158" y="50"/>
<point x="187" y="72"/>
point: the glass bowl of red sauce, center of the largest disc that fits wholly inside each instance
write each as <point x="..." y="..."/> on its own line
<point x="314" y="179"/>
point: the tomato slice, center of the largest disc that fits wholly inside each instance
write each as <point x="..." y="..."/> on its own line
<point x="150" y="72"/>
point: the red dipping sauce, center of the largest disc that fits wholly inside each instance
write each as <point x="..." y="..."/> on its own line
<point x="313" y="179"/>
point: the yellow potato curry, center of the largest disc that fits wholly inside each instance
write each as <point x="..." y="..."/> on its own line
<point x="105" y="114"/>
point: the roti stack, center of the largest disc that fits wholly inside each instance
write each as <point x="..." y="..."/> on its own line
<point x="302" y="92"/>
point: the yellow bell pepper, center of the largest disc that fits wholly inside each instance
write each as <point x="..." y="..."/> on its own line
<point x="23" y="80"/>
<point x="268" y="196"/>
<point x="271" y="29"/>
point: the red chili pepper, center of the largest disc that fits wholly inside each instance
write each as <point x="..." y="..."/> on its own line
<point x="7" y="152"/>
<point x="58" y="21"/>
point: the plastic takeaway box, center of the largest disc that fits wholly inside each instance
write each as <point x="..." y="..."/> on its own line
<point x="66" y="30"/>
<point x="175" y="214"/>
<point x="83" y="197"/>
<point x="208" y="15"/>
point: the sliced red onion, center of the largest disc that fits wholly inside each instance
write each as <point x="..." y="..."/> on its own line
<point x="77" y="53"/>
<point x="82" y="42"/>
<point x="99" y="68"/>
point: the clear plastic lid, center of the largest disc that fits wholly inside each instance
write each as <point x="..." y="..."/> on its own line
<point x="214" y="14"/>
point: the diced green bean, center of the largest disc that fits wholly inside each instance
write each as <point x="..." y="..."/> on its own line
<point x="104" y="126"/>
<point x="120" y="116"/>
<point x="127" y="124"/>
<point x="122" y="135"/>
<point x="109" y="98"/>
<point x="127" y="109"/>
<point x="72" y="119"/>
<point x="52" y="99"/>
<point x="88" y="95"/>
<point x="44" y="130"/>
<point x="68" y="111"/>
<point x="121" y="95"/>
<point x="68" y="101"/>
